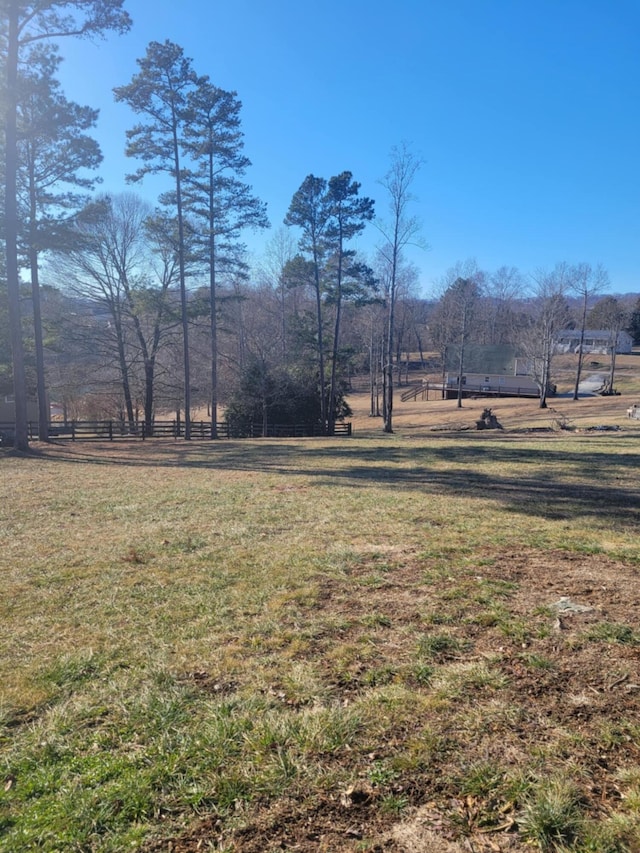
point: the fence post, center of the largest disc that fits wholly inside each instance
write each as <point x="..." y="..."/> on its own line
<point x="110" y="430"/>
<point x="143" y="430"/>
<point x="73" y="430"/>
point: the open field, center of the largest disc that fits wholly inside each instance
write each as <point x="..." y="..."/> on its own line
<point x="426" y="642"/>
<point x="519" y="415"/>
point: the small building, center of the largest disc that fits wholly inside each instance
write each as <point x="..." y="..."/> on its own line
<point x="491" y="385"/>
<point x="489" y="371"/>
<point x="596" y="341"/>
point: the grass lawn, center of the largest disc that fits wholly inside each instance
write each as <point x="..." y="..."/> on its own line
<point x="427" y="641"/>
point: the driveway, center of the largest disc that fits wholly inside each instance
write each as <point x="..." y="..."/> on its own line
<point x="592" y="384"/>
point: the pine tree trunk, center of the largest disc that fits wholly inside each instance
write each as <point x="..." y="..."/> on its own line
<point x="21" y="439"/>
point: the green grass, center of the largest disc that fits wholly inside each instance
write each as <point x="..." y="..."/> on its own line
<point x="193" y="634"/>
<point x="552" y="816"/>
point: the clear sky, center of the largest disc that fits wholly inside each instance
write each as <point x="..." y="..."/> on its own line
<point x="526" y="114"/>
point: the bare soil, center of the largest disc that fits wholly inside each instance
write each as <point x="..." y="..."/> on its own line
<point x="584" y="686"/>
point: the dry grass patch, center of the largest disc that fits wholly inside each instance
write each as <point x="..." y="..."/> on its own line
<point x="347" y="646"/>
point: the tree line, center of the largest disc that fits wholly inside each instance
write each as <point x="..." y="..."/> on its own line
<point x="145" y="268"/>
<point x="137" y="309"/>
<point x="114" y="343"/>
<point x="529" y="313"/>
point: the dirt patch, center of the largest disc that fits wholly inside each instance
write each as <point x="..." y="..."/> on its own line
<point x="553" y="629"/>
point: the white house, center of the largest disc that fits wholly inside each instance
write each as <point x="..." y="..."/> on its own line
<point x="595" y="341"/>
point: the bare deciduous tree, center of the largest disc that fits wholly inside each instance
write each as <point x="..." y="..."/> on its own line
<point x="550" y="314"/>
<point x="400" y="231"/>
<point x="586" y="282"/>
<point x="280" y="250"/>
<point x="610" y="315"/>
<point x="124" y="263"/>
<point x="456" y="316"/>
<point x="502" y="289"/>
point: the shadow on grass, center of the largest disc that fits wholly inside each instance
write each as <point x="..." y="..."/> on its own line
<point x="534" y="487"/>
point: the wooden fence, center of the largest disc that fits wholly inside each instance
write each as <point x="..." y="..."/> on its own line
<point x="422" y="391"/>
<point x="112" y="430"/>
<point x="440" y="391"/>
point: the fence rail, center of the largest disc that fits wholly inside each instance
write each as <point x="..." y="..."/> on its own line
<point x="112" y="430"/>
<point x="451" y="391"/>
<point x="439" y="390"/>
<point x="422" y="391"/>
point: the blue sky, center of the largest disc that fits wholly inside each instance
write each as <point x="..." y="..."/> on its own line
<point x="527" y="115"/>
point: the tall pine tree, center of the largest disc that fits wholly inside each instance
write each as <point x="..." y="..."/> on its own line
<point x="159" y="93"/>
<point x="215" y="194"/>
<point x="349" y="214"/>
<point x="55" y="160"/>
<point x="22" y="24"/>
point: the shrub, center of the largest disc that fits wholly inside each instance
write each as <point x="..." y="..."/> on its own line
<point x="286" y="397"/>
